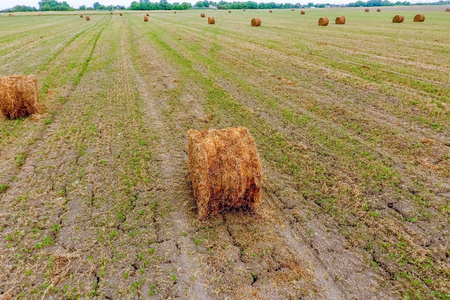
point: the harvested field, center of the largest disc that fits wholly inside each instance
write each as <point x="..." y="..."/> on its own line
<point x="351" y="124"/>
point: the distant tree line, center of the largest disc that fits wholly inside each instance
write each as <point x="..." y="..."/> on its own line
<point x="53" y="5"/>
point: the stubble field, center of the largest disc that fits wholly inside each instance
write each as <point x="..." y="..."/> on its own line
<point x="351" y="123"/>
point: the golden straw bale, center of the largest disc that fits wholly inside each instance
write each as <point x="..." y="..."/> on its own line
<point x="40" y="15"/>
<point x="447" y="10"/>
<point x="398" y="19"/>
<point x="256" y="22"/>
<point x="244" y="9"/>
<point x="303" y="12"/>
<point x="10" y="15"/>
<point x="323" y="21"/>
<point x="211" y="20"/>
<point x="120" y="14"/>
<point x="225" y="170"/>
<point x="378" y="10"/>
<point x="202" y="15"/>
<point x="270" y="11"/>
<point x="147" y="14"/>
<point x="145" y="19"/>
<point x="292" y="9"/>
<point x="87" y="18"/>
<point x="340" y="20"/>
<point x="81" y="16"/>
<point x="229" y="11"/>
<point x="367" y="10"/>
<point x="111" y="12"/>
<point x="18" y="96"/>
<point x="419" y="18"/>
<point x="174" y="12"/>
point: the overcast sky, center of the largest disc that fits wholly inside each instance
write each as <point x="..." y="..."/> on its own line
<point x="76" y="3"/>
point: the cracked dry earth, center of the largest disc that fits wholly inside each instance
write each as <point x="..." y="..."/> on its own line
<point x="95" y="198"/>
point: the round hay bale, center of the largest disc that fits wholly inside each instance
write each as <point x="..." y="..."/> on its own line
<point x="340" y="20"/>
<point x="229" y="11"/>
<point x="323" y="21"/>
<point x="10" y="15"/>
<point x="211" y="20"/>
<point x="367" y="10"/>
<point x="292" y="9"/>
<point x="81" y="16"/>
<point x="111" y="13"/>
<point x="447" y="10"/>
<point x="40" y="15"/>
<point x="303" y="12"/>
<point x="378" y="10"/>
<point x="244" y="9"/>
<point x="270" y="11"/>
<point x="202" y="15"/>
<point x="419" y="18"/>
<point x="256" y="22"/>
<point x="145" y="19"/>
<point x="225" y="170"/>
<point x="18" y="96"/>
<point x="120" y="14"/>
<point x="87" y="18"/>
<point x="147" y="14"/>
<point x="174" y="12"/>
<point x="398" y="19"/>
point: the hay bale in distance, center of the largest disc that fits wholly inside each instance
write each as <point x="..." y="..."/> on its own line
<point x="340" y="20"/>
<point x="18" y="96"/>
<point x="229" y="11"/>
<point x="270" y="11"/>
<point x="174" y="11"/>
<point x="447" y="10"/>
<point x="87" y="18"/>
<point x="419" y="18"/>
<point x="111" y="13"/>
<point x="378" y="10"/>
<point x="10" y="15"/>
<point x="211" y="20"/>
<point x="145" y="19"/>
<point x="367" y="10"/>
<point x="120" y="14"/>
<point x="398" y="19"/>
<point x="244" y="9"/>
<point x="81" y="16"/>
<point x="303" y="12"/>
<point x="40" y="15"/>
<point x="147" y="14"/>
<point x="256" y="22"/>
<point x="202" y="15"/>
<point x="292" y="9"/>
<point x="225" y="170"/>
<point x="323" y="21"/>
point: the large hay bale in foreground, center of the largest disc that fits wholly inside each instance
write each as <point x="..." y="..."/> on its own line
<point x="211" y="20"/>
<point x="202" y="15"/>
<point x="303" y="12"/>
<point x="225" y="170"/>
<point x="18" y="96"/>
<point x="87" y="18"/>
<point x="367" y="10"/>
<point x="323" y="21"/>
<point x="378" y="10"/>
<point x="419" y="18"/>
<point x="145" y="19"/>
<point x="340" y="20"/>
<point x="256" y="22"/>
<point x="398" y="19"/>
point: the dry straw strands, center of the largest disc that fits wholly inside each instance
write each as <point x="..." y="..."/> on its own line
<point x="256" y="22"/>
<point x="211" y="20"/>
<point x="419" y="18"/>
<point x="303" y="12"/>
<point x="18" y="96"/>
<point x="378" y="10"/>
<point x="202" y="15"/>
<point x="225" y="170"/>
<point x="323" y="21"/>
<point x="87" y="18"/>
<point x="367" y="10"/>
<point x="145" y="19"/>
<point x="398" y="19"/>
<point x="340" y="20"/>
